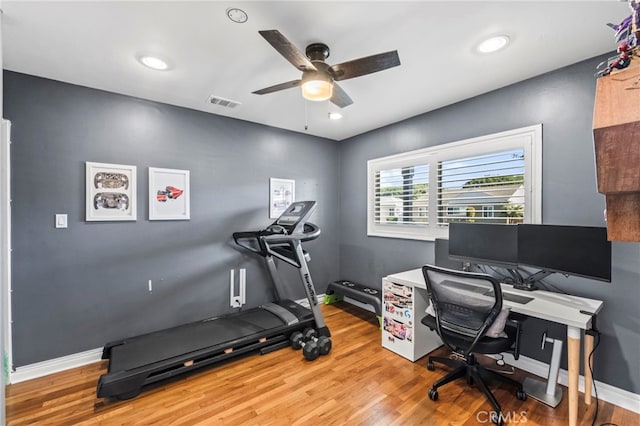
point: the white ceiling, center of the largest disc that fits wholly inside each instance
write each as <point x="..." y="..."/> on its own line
<point x="95" y="44"/>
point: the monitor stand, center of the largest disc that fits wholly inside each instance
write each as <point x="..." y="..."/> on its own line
<point x="529" y="283"/>
<point x="525" y="286"/>
<point x="549" y="394"/>
<point x="519" y="282"/>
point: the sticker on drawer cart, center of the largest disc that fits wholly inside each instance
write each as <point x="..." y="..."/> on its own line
<point x="397" y="329"/>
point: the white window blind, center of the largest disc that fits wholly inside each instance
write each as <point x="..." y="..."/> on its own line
<point x="484" y="188"/>
<point x="493" y="179"/>
<point x="402" y="195"/>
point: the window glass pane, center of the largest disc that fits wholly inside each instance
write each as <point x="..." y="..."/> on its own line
<point x="484" y="188"/>
<point x="402" y="195"/>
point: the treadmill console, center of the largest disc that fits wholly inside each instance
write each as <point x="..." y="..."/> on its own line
<point x="295" y="216"/>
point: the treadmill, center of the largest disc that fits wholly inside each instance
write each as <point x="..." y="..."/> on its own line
<point x="137" y="362"/>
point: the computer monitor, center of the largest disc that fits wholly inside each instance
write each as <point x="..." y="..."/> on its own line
<point x="484" y="243"/>
<point x="442" y="258"/>
<point x="575" y="250"/>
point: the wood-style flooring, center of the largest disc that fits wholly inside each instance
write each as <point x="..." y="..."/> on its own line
<point x="358" y="383"/>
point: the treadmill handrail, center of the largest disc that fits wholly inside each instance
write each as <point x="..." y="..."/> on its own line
<point x="265" y="238"/>
<point x="291" y="240"/>
<point x="248" y="235"/>
<point x="276" y="238"/>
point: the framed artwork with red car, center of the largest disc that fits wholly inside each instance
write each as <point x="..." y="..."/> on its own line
<point x="169" y="194"/>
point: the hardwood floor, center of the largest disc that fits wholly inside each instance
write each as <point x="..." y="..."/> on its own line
<point x="359" y="382"/>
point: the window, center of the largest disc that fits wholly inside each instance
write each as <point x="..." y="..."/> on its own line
<point x="488" y="211"/>
<point x="401" y="195"/>
<point x="493" y="179"/>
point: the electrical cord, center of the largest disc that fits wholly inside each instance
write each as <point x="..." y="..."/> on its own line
<point x="457" y="357"/>
<point x="506" y="369"/>
<point x="595" y="388"/>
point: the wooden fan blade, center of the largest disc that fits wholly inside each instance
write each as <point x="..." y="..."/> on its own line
<point x="340" y="97"/>
<point x="278" y="87"/>
<point x="288" y="50"/>
<point x="364" y="66"/>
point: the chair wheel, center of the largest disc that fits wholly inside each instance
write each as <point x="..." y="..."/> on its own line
<point x="433" y="394"/>
<point x="496" y="418"/>
<point x="430" y="366"/>
<point x="521" y="395"/>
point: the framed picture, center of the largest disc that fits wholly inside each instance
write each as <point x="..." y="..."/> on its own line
<point x="281" y="195"/>
<point x="169" y="194"/>
<point x="110" y="192"/>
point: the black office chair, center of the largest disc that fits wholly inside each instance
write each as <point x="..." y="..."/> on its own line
<point x="468" y="310"/>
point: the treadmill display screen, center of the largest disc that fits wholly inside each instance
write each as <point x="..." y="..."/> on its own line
<point x="294" y="214"/>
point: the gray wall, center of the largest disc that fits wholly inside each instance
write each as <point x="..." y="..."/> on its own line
<point x="76" y="289"/>
<point x="563" y="102"/>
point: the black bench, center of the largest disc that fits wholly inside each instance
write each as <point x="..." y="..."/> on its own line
<point x="367" y="295"/>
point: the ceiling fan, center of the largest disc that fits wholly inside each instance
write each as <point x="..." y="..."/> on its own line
<point x="318" y="78"/>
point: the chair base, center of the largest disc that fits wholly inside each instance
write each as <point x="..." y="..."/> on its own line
<point x="474" y="374"/>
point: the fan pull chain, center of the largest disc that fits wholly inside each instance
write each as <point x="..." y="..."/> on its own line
<point x="306" y="117"/>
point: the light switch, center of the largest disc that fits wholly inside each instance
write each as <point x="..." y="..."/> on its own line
<point x="61" y="220"/>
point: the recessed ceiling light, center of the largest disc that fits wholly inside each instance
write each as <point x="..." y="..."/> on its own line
<point x="335" y="116"/>
<point x="154" y="62"/>
<point x="493" y="44"/>
<point x="238" y="16"/>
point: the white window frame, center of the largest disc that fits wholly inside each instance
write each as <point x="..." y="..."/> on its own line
<point x="527" y="138"/>
<point x="488" y="211"/>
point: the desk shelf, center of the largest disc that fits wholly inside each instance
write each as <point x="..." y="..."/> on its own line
<point x="403" y="307"/>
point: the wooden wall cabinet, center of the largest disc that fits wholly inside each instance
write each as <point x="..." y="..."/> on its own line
<point x="616" y="135"/>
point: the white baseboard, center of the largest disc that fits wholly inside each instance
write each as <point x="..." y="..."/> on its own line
<point x="44" y="368"/>
<point x="305" y="302"/>
<point x="616" y="396"/>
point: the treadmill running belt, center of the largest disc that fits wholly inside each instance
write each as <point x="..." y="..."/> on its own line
<point x="181" y="340"/>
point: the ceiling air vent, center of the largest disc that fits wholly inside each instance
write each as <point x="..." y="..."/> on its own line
<point x="227" y="103"/>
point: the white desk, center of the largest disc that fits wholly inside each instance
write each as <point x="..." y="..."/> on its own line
<point x="555" y="307"/>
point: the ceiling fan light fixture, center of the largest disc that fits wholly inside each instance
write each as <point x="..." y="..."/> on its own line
<point x="316" y="86"/>
<point x="317" y="90"/>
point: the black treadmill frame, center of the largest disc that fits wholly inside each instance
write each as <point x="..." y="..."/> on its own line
<point x="128" y="383"/>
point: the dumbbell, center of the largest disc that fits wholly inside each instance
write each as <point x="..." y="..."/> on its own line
<point x="311" y="345"/>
